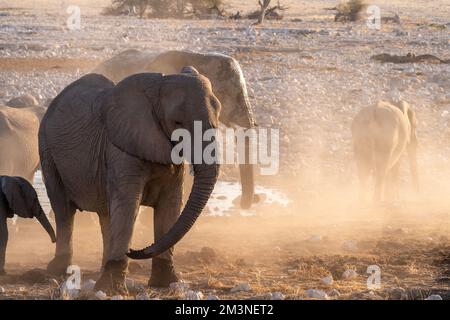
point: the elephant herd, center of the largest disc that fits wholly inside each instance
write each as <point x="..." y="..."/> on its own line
<point x="103" y="145"/>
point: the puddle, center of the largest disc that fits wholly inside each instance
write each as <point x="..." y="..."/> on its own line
<point x="222" y="200"/>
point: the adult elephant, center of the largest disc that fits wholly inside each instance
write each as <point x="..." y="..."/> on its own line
<point x="19" y="140"/>
<point x="228" y="82"/>
<point x="381" y="135"/>
<point x="106" y="148"/>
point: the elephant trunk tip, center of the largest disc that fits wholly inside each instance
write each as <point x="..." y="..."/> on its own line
<point x="139" y="254"/>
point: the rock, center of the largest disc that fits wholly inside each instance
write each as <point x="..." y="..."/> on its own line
<point x="398" y="294"/>
<point x="212" y="297"/>
<point x="434" y="297"/>
<point x="349" y="274"/>
<point x="100" y="295"/>
<point x="328" y="281"/>
<point x="2" y="290"/>
<point x="241" y="287"/>
<point x="276" y="296"/>
<point x="179" y="287"/>
<point x="26" y="100"/>
<point x="118" y="297"/>
<point x="143" y="296"/>
<point x="350" y="245"/>
<point x="88" y="286"/>
<point x="334" y="293"/>
<point x="68" y="294"/>
<point x="316" y="294"/>
<point x="194" y="295"/>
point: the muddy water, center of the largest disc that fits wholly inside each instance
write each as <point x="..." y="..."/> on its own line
<point x="222" y="202"/>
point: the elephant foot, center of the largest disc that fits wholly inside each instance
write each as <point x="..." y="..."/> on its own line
<point x="112" y="280"/>
<point x="163" y="273"/>
<point x="58" y="266"/>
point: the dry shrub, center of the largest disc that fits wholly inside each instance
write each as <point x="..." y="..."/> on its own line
<point x="349" y="10"/>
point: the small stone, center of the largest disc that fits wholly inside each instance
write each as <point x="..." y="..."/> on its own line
<point x="241" y="287"/>
<point x="334" y="293"/>
<point x="118" y="297"/>
<point x="316" y="294"/>
<point x="194" y="295"/>
<point x="2" y="290"/>
<point x="434" y="297"/>
<point x="143" y="296"/>
<point x="328" y="281"/>
<point x="88" y="286"/>
<point x="349" y="274"/>
<point x="276" y="296"/>
<point x="179" y="287"/>
<point x="101" y="295"/>
<point x="212" y="297"/>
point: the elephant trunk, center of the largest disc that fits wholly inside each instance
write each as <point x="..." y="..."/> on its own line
<point x="205" y="177"/>
<point x="247" y="174"/>
<point x="43" y="220"/>
<point x="247" y="170"/>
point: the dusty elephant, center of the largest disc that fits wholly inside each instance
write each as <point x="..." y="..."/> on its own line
<point x="226" y="77"/>
<point x="17" y="196"/>
<point x="381" y="134"/>
<point x="24" y="101"/>
<point x="106" y="148"/>
<point x="19" y="136"/>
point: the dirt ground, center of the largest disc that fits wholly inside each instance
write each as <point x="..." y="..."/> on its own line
<point x="325" y="229"/>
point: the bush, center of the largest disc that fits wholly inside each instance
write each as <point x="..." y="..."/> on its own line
<point x="166" y="8"/>
<point x="349" y="10"/>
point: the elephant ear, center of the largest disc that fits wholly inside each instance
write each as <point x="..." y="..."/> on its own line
<point x="130" y="116"/>
<point x="20" y="196"/>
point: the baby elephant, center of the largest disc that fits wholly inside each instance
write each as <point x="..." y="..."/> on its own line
<point x="17" y="196"/>
<point x="381" y="134"/>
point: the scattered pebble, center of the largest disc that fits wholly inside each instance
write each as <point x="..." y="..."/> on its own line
<point x="328" y="280"/>
<point x="88" y="286"/>
<point x="194" y="295"/>
<point x="143" y="296"/>
<point x="117" y="297"/>
<point x="101" y="295"/>
<point x="212" y="297"/>
<point x="276" y="296"/>
<point x="241" y="287"/>
<point x="179" y="287"/>
<point x="349" y="274"/>
<point x="316" y="294"/>
<point x="434" y="297"/>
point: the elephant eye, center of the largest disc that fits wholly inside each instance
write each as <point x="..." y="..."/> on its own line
<point x="178" y="123"/>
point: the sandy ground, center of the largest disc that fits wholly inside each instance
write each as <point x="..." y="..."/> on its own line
<point x="307" y="78"/>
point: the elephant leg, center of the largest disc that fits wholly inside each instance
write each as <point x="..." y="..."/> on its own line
<point x="382" y="159"/>
<point x="64" y="211"/>
<point x="393" y="189"/>
<point x="105" y="227"/>
<point x="123" y="211"/>
<point x="364" y="166"/>
<point x="3" y="241"/>
<point x="166" y="214"/>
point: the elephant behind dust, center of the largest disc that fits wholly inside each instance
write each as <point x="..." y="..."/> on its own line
<point x="381" y="135"/>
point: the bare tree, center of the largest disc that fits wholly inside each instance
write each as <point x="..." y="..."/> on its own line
<point x="264" y="4"/>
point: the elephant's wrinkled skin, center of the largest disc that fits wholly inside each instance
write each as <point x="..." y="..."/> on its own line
<point x="226" y="77"/>
<point x="106" y="148"/>
<point x="19" y="140"/>
<point x="381" y="134"/>
<point x="17" y="196"/>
